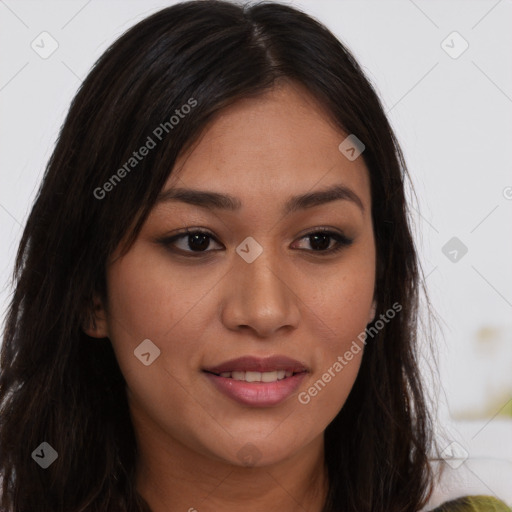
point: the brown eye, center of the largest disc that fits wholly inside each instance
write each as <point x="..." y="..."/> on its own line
<point x="321" y="240"/>
<point x="196" y="241"/>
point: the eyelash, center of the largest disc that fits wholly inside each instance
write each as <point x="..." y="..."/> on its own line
<point x="341" y="241"/>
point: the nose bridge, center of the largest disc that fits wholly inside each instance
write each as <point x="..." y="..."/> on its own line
<point x="260" y="277"/>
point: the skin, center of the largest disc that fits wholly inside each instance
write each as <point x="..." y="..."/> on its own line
<point x="203" y="311"/>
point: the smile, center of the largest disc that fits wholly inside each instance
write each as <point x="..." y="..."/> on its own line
<point x="258" y="376"/>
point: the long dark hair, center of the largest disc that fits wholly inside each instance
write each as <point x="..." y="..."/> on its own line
<point x="59" y="386"/>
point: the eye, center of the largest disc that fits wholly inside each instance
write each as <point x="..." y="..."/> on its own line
<point x="320" y="242"/>
<point x="198" y="241"/>
<point x="190" y="240"/>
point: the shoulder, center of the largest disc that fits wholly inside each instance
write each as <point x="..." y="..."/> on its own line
<point x="474" y="504"/>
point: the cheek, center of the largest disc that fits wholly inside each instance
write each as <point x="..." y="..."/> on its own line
<point x="337" y="353"/>
<point x="149" y="300"/>
<point x="342" y="306"/>
<point x="339" y="313"/>
<point x="340" y="302"/>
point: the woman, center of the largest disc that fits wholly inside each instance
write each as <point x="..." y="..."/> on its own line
<point x="217" y="288"/>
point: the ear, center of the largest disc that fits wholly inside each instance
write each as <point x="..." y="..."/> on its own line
<point x="97" y="325"/>
<point x="372" y="312"/>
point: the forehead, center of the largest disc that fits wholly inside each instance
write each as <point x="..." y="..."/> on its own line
<point x="282" y="143"/>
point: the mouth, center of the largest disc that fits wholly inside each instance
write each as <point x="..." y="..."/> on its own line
<point x="257" y="382"/>
<point x="258" y="369"/>
<point x="248" y="376"/>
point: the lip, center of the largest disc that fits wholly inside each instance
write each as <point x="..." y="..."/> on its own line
<point x="258" y="364"/>
<point x="257" y="394"/>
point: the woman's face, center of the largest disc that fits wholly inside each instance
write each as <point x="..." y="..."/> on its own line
<point x="257" y="286"/>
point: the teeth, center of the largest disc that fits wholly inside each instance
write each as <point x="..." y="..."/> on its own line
<point x="253" y="376"/>
<point x="269" y="376"/>
<point x="258" y="376"/>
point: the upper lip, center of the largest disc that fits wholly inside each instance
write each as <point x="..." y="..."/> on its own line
<point x="258" y="364"/>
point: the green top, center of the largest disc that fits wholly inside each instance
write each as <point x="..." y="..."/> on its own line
<point x="474" y="504"/>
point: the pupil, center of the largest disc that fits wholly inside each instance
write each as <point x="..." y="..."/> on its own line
<point x="322" y="245"/>
<point x="203" y="238"/>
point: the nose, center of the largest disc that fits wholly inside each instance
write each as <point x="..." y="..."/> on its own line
<point x="259" y="296"/>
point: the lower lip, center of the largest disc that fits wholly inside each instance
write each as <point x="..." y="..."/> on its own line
<point x="257" y="394"/>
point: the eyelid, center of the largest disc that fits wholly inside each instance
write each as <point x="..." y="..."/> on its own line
<point x="342" y="241"/>
<point x="191" y="231"/>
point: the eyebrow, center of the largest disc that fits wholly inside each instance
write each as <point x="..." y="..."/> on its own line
<point x="216" y="200"/>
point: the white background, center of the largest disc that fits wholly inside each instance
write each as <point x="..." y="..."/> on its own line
<point x="453" y="118"/>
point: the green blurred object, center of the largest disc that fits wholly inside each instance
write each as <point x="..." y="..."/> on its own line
<point x="474" y="504"/>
